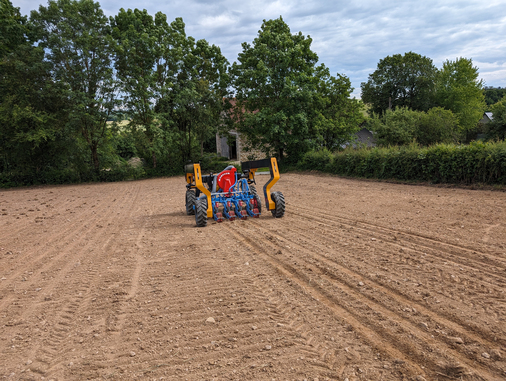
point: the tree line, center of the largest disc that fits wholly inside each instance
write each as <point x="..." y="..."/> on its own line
<point x="68" y="72"/>
<point x="410" y="100"/>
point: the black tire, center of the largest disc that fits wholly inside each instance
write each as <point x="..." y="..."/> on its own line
<point x="279" y="201"/>
<point x="190" y="202"/>
<point x="201" y="212"/>
<point x="253" y="190"/>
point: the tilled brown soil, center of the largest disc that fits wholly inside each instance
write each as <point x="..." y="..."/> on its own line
<point x="359" y="281"/>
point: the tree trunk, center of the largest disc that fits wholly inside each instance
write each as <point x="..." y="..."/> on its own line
<point x="94" y="158"/>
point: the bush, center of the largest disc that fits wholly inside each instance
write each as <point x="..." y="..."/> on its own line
<point x="437" y="126"/>
<point x="55" y="176"/>
<point x="212" y="162"/>
<point x="397" y="127"/>
<point x="403" y="126"/>
<point x="477" y="162"/>
<point x="316" y="160"/>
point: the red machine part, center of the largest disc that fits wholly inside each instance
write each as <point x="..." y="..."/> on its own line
<point x="254" y="207"/>
<point x="226" y="179"/>
<point x="231" y="212"/>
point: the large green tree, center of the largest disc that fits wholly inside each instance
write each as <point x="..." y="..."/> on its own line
<point x="275" y="84"/>
<point x="401" y="81"/>
<point x="148" y="51"/>
<point x="172" y="84"/>
<point x="285" y="104"/>
<point x="76" y="36"/>
<point x="336" y="116"/>
<point x="32" y="105"/>
<point x="459" y="89"/>
<point x="191" y="110"/>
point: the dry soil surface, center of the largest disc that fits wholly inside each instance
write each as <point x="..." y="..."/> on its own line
<point x="359" y="281"/>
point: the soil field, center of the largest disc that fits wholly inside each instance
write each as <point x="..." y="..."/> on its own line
<point x="359" y="281"/>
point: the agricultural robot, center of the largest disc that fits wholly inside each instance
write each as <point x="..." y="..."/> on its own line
<point x="230" y="194"/>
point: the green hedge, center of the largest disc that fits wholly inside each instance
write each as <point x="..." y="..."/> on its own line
<point x="122" y="171"/>
<point x="477" y="162"/>
<point x="68" y="176"/>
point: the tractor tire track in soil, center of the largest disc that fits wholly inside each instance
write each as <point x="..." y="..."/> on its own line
<point x="360" y="281"/>
<point x="468" y="279"/>
<point x="494" y="266"/>
<point x="332" y="284"/>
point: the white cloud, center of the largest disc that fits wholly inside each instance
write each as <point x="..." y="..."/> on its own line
<point x="349" y="37"/>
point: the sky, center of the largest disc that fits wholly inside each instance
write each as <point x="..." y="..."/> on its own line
<point x="350" y="37"/>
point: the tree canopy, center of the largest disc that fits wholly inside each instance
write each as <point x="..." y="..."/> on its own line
<point x="336" y="116"/>
<point x="32" y="106"/>
<point x="458" y="89"/>
<point x="284" y="100"/>
<point x="191" y="110"/>
<point x="412" y="81"/>
<point x="79" y="45"/>
<point x="403" y="126"/>
<point x="493" y="95"/>
<point x="401" y="81"/>
<point x="68" y="71"/>
<point x="274" y="82"/>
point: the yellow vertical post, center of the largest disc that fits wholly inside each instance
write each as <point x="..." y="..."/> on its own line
<point x="203" y="189"/>
<point x="275" y="177"/>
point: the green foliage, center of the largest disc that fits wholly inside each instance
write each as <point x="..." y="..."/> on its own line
<point x="125" y="144"/>
<point x="397" y="127"/>
<point x="403" y="126"/>
<point x="77" y="39"/>
<point x="401" y="81"/>
<point x="477" y="162"/>
<point x="437" y="126"/>
<point x="274" y="82"/>
<point x="458" y="89"/>
<point x="285" y="103"/>
<point x="413" y="81"/>
<point x="493" y="95"/>
<point x="336" y="116"/>
<point x="316" y="160"/>
<point x="147" y="51"/>
<point x="191" y="111"/>
<point x="496" y="129"/>
<point x="32" y="108"/>
<point x="59" y="88"/>
<point x="211" y="162"/>
<point x="69" y="175"/>
<point x="13" y="28"/>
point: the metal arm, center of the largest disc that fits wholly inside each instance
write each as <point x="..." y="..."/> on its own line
<point x="193" y="172"/>
<point x="252" y="166"/>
